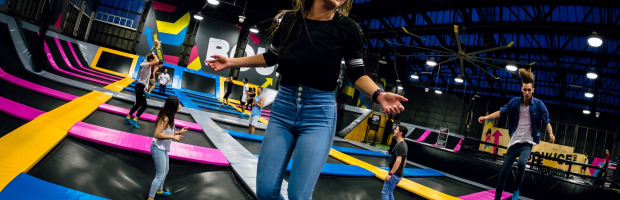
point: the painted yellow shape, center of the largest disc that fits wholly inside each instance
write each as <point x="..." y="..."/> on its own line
<point x="195" y="65"/>
<point x="23" y="147"/>
<point x="406" y="184"/>
<point x="349" y="91"/>
<point x="119" y="85"/>
<point x="173" y="28"/>
<point x="120" y="53"/>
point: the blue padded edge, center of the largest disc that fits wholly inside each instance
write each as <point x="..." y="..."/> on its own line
<point x="25" y="186"/>
<point x="184" y="100"/>
<point x="360" y="151"/>
<point x="247" y="136"/>
<point x="416" y="172"/>
<point x="337" y="169"/>
<point x="201" y="97"/>
<point x="152" y="94"/>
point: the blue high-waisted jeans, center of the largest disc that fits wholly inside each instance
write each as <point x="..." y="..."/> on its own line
<point x="303" y="121"/>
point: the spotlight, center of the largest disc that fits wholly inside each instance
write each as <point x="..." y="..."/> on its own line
<point x="415" y="76"/>
<point x="431" y="62"/>
<point x="459" y="79"/>
<point x="426" y="89"/>
<point x="595" y="40"/>
<point x="589" y="94"/>
<point x="511" y="67"/>
<point x="254" y="29"/>
<point x="586" y="111"/>
<point x="437" y="91"/>
<point x="213" y="2"/>
<point x="592" y="74"/>
<point x="382" y="60"/>
<point x="198" y="16"/>
<point x="241" y="18"/>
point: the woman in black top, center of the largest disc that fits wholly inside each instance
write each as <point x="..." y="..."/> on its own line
<point x="308" y="45"/>
<point x="252" y="92"/>
<point x="229" y="84"/>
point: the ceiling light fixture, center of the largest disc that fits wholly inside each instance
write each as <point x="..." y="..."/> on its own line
<point x="213" y="2"/>
<point x="437" y="91"/>
<point x="254" y="29"/>
<point x="595" y="40"/>
<point x="415" y="76"/>
<point x="431" y="62"/>
<point x="459" y="79"/>
<point x="589" y="94"/>
<point x="511" y="67"/>
<point x="592" y="74"/>
<point x="198" y="16"/>
<point x="586" y="111"/>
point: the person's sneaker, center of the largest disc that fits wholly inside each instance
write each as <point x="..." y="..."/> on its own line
<point x="148" y="95"/>
<point x="241" y="115"/>
<point x="128" y="121"/>
<point x="515" y="195"/>
<point x="164" y="194"/>
<point x="134" y="123"/>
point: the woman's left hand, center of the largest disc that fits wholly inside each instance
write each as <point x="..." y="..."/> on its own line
<point x="184" y="129"/>
<point x="391" y="103"/>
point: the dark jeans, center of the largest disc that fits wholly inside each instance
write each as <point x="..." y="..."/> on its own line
<point x="140" y="100"/>
<point x="162" y="89"/>
<point x="521" y="150"/>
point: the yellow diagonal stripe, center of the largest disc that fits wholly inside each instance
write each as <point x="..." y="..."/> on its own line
<point x="173" y="28"/>
<point x="119" y="85"/>
<point x="406" y="184"/>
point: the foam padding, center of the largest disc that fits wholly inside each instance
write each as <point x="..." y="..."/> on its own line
<point x="148" y="117"/>
<point x="415" y="172"/>
<point x="25" y="186"/>
<point x="360" y="151"/>
<point x="487" y="194"/>
<point x="406" y="184"/>
<point x="102" y="49"/>
<point x="35" y="87"/>
<point x="142" y="144"/>
<point x="77" y="110"/>
<point x="18" y="110"/>
<point x="119" y="85"/>
<point x="246" y="136"/>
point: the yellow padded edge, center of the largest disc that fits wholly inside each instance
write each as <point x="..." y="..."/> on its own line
<point x="23" y="147"/>
<point x="406" y="184"/>
<point x="120" y="53"/>
<point x="173" y="28"/>
<point x="261" y="119"/>
<point x="119" y="85"/>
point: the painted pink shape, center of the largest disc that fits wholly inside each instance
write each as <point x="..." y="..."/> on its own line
<point x="254" y="38"/>
<point x="142" y="144"/>
<point x="488" y="194"/>
<point x="57" y="24"/>
<point x="595" y="162"/>
<point x="77" y="60"/>
<point x="423" y="137"/>
<point x="194" y="54"/>
<point x="50" y="58"/>
<point x="171" y="59"/>
<point x="496" y="135"/>
<point x="458" y="146"/>
<point x="163" y="7"/>
<point x="68" y="63"/>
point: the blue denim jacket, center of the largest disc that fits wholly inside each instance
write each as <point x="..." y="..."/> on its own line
<point x="539" y="116"/>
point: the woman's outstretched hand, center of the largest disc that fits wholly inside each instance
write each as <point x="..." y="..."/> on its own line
<point x="218" y="62"/>
<point x="391" y="103"/>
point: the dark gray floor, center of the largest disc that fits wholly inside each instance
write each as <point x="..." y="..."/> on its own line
<point x="149" y="109"/>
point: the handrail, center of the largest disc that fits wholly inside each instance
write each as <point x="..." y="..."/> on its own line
<point x="106" y="17"/>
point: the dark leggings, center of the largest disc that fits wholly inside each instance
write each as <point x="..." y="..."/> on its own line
<point x="140" y="100"/>
<point x="162" y="89"/>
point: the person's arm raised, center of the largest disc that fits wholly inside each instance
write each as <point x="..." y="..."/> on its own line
<point x="220" y="62"/>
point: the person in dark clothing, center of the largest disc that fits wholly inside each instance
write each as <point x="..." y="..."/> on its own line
<point x="308" y="45"/>
<point x="143" y="80"/>
<point x="251" y="95"/>
<point x="229" y="84"/>
<point x="602" y="174"/>
<point x="398" y="159"/>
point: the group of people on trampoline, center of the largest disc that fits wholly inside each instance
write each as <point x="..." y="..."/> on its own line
<point x="309" y="43"/>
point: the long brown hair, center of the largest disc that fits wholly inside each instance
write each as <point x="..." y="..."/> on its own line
<point x="301" y="8"/>
<point x="169" y="110"/>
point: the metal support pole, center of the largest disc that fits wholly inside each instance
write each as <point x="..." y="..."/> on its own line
<point x="565" y="128"/>
<point x="585" y="142"/>
<point x="79" y="19"/>
<point x="90" y="23"/>
<point x="575" y="136"/>
<point x="595" y="137"/>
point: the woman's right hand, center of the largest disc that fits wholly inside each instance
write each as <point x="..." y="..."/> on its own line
<point x="178" y="138"/>
<point x="218" y="62"/>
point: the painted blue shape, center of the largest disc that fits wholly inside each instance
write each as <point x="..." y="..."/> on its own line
<point x="196" y="92"/>
<point x="137" y="68"/>
<point x="184" y="100"/>
<point x="172" y="39"/>
<point x="2" y="2"/>
<point x="201" y="97"/>
<point x="246" y="136"/>
<point x="149" y="36"/>
<point x="416" y="172"/>
<point x="360" y="151"/>
<point x="25" y="186"/>
<point x="337" y="169"/>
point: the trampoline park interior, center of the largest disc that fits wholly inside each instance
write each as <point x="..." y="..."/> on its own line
<point x="63" y="100"/>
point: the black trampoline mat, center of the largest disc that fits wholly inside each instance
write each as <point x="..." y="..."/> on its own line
<point x="9" y="123"/>
<point x="251" y="145"/>
<point x="119" y="174"/>
<point x="242" y="129"/>
<point x="114" y="62"/>
<point x="28" y="97"/>
<point x="152" y="96"/>
<point x="149" y="109"/>
<point x="147" y="128"/>
<point x="358" y="188"/>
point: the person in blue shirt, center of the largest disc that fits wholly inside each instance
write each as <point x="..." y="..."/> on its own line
<point x="526" y="116"/>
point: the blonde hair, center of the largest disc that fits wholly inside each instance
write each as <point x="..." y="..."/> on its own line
<point x="526" y="76"/>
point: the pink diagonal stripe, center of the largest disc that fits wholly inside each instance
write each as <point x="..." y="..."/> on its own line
<point x="163" y="7"/>
<point x="90" y="70"/>
<point x="64" y="58"/>
<point x="50" y="58"/>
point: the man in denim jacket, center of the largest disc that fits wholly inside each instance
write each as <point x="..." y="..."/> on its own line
<point x="526" y="115"/>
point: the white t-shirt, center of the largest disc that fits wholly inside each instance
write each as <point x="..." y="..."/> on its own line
<point x="163" y="78"/>
<point x="523" y="134"/>
<point x="245" y="93"/>
<point x="144" y="73"/>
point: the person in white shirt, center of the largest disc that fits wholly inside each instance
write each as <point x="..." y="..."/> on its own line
<point x="164" y="78"/>
<point x="143" y="79"/>
<point x="527" y="115"/>
<point x="244" y="97"/>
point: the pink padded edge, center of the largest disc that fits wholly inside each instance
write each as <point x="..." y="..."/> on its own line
<point x="35" y="87"/>
<point x="458" y="146"/>
<point x="488" y="194"/>
<point x="64" y="57"/>
<point x="142" y="144"/>
<point x="82" y="66"/>
<point x="149" y="117"/>
<point x="18" y="110"/>
<point x="423" y="137"/>
<point x="50" y="58"/>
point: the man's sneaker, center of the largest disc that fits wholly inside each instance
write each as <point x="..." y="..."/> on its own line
<point x="134" y="123"/>
<point x="515" y="195"/>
